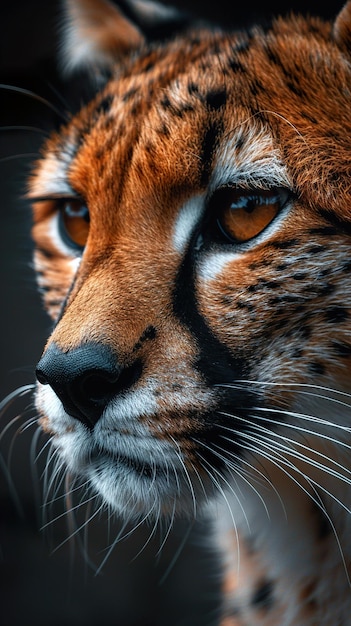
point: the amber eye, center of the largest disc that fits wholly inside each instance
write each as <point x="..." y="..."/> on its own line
<point x="241" y="214"/>
<point x="74" y="223"/>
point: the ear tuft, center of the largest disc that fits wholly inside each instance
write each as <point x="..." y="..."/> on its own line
<point x="99" y="32"/>
<point x="342" y="29"/>
<point x="96" y="33"/>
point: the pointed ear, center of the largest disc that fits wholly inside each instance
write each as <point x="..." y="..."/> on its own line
<point x="98" y="32"/>
<point x="342" y="29"/>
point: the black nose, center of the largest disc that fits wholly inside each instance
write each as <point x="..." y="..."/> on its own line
<point x="85" y="378"/>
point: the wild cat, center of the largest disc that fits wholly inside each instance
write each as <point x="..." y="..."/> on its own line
<point x="192" y="227"/>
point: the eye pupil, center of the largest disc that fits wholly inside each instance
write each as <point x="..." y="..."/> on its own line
<point x="249" y="204"/>
<point x="74" y="219"/>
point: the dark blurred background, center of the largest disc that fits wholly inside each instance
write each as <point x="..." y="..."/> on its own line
<point x="40" y="585"/>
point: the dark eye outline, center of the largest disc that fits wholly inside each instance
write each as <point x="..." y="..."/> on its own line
<point x="214" y="230"/>
<point x="61" y="204"/>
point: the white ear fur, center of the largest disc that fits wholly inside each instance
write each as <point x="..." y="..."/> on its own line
<point x="153" y="12"/>
<point x="96" y="33"/>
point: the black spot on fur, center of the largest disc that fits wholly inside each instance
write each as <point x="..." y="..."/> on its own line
<point x="104" y="105"/>
<point x="176" y="110"/>
<point x="295" y="89"/>
<point x="165" y="103"/>
<point x="237" y="67"/>
<point x="259" y="264"/>
<point x="263" y="284"/>
<point x="326" y="289"/>
<point x="193" y="88"/>
<point x="216" y="99"/>
<point x="245" y="305"/>
<point x="163" y="130"/>
<point x="324" y="231"/>
<point x="324" y="272"/>
<point x="284" y="245"/>
<point x="149" y="333"/>
<point x="263" y="597"/>
<point x="315" y="367"/>
<point x="340" y="348"/>
<point x="299" y="276"/>
<point x="281" y="267"/>
<point x="336" y="315"/>
<point x="272" y="57"/>
<point x="130" y="93"/>
<point x="317" y="249"/>
<point x="149" y="66"/>
<point x="285" y="299"/>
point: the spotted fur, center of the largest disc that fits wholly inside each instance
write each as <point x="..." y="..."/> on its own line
<point x="188" y="374"/>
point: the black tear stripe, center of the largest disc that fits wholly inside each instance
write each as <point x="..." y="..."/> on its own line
<point x="217" y="366"/>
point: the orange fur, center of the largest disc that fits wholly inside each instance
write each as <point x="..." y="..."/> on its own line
<point x="257" y="110"/>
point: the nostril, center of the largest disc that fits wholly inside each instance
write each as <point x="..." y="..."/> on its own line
<point x="100" y="387"/>
<point x="96" y="388"/>
<point x="130" y="375"/>
<point x="86" y="378"/>
<point x="41" y="376"/>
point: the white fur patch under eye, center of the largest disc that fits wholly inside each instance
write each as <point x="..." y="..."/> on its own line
<point x="256" y="163"/>
<point x="188" y="216"/>
<point x="213" y="264"/>
<point x="74" y="264"/>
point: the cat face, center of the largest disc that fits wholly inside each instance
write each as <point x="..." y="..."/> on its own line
<point x="192" y="227"/>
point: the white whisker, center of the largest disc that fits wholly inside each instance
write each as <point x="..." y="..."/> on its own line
<point x="177" y="553"/>
<point x="221" y="491"/>
<point x="273" y="456"/>
<point x="272" y="433"/>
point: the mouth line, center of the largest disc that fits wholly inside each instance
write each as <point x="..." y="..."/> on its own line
<point x="143" y="469"/>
